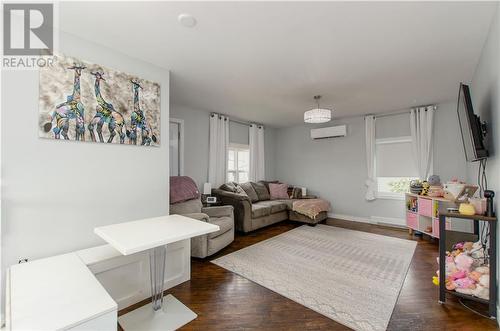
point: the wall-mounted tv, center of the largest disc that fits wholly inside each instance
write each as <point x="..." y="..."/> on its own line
<point x="471" y="127"/>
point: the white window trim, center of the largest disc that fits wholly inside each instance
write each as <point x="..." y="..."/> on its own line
<point x="181" y="143"/>
<point x="236" y="171"/>
<point x="390" y="140"/>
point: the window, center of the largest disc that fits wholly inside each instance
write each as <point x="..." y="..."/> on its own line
<point x="394" y="167"/>
<point x="238" y="162"/>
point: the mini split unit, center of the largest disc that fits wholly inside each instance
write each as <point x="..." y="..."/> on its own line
<point x="330" y="132"/>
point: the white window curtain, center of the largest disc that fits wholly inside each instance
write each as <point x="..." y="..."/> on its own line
<point x="371" y="187"/>
<point x="257" y="162"/>
<point x="421" y="126"/>
<point x="219" y="141"/>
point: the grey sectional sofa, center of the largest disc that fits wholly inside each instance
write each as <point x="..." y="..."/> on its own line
<point x="254" y="212"/>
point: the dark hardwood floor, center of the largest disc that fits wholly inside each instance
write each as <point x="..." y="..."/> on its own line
<point x="226" y="301"/>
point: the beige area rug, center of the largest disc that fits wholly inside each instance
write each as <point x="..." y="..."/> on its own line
<point x="352" y="277"/>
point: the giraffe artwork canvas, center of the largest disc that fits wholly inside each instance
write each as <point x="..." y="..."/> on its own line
<point x="81" y="101"/>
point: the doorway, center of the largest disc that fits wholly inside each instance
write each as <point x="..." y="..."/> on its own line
<point x="176" y="147"/>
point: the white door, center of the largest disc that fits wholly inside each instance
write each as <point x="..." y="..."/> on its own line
<point x="176" y="147"/>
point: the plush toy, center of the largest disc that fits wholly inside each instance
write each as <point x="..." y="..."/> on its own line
<point x="425" y="188"/>
<point x="465" y="283"/>
<point x="465" y="270"/>
<point x="434" y="180"/>
<point x="464" y="262"/>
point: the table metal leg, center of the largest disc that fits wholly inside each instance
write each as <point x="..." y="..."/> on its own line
<point x="168" y="313"/>
<point x="157" y="258"/>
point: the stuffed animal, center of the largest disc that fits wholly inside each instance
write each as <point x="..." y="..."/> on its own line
<point x="464" y="262"/>
<point x="425" y="188"/>
<point x="465" y="283"/>
<point x="434" y="180"/>
<point x="481" y="289"/>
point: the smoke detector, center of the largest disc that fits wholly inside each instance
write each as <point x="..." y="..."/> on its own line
<point x="187" y="20"/>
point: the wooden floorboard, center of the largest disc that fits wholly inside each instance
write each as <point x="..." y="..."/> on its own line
<point x="226" y="301"/>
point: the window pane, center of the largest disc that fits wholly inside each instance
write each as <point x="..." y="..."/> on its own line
<point x="230" y="160"/>
<point x="394" y="159"/>
<point x="230" y="176"/>
<point x="243" y="160"/>
<point x="242" y="177"/>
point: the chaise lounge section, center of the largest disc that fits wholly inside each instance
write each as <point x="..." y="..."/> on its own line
<point x="253" y="208"/>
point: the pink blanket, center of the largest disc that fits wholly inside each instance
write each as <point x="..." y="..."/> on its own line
<point x="182" y="188"/>
<point x="310" y="207"/>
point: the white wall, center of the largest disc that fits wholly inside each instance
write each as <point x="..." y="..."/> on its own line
<point x="335" y="169"/>
<point x="485" y="92"/>
<point x="196" y="144"/>
<point x="55" y="192"/>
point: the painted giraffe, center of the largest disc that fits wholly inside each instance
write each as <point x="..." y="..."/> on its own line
<point x="105" y="113"/>
<point x="72" y="108"/>
<point x="138" y="120"/>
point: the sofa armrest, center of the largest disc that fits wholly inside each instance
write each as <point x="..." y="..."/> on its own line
<point x="242" y="208"/>
<point x="198" y="216"/>
<point x="218" y="211"/>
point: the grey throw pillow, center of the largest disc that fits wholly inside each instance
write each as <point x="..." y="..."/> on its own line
<point x="229" y="187"/>
<point x="250" y="191"/>
<point x="262" y="191"/>
<point x="241" y="191"/>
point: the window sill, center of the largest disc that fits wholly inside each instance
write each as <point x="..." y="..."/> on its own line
<point x="385" y="196"/>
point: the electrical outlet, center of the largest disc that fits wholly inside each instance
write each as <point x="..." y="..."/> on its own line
<point x="22" y="261"/>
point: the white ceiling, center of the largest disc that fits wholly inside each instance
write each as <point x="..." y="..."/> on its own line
<point x="263" y="62"/>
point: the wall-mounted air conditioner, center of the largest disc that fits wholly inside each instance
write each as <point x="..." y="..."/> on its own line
<point x="330" y="132"/>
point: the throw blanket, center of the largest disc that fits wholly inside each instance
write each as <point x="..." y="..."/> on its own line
<point x="182" y="188"/>
<point x="310" y="207"/>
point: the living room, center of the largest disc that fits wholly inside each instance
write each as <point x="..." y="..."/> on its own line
<point x="330" y="165"/>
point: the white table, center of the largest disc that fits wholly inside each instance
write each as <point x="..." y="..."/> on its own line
<point x="153" y="234"/>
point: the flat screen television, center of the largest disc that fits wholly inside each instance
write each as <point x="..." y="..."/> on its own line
<point x="470" y="127"/>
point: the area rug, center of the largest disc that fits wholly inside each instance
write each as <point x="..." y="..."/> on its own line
<point x="349" y="276"/>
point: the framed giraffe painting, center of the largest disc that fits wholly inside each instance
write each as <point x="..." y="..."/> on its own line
<point x="81" y="101"/>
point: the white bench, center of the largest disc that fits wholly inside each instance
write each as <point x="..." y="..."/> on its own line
<point x="57" y="293"/>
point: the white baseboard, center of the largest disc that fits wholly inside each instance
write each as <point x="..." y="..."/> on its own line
<point x="350" y="218"/>
<point x="376" y="220"/>
<point x="389" y="221"/>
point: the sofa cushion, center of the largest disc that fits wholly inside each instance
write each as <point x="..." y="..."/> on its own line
<point x="250" y="191"/>
<point x="240" y="190"/>
<point x="275" y="205"/>
<point x="225" y="224"/>
<point x="278" y="191"/>
<point x="259" y="210"/>
<point x="261" y="191"/>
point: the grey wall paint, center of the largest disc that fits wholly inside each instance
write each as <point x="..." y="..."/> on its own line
<point x="55" y="192"/>
<point x="196" y="141"/>
<point x="196" y="125"/>
<point x="335" y="169"/>
<point x="485" y="92"/>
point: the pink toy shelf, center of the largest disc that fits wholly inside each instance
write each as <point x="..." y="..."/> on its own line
<point x="422" y="213"/>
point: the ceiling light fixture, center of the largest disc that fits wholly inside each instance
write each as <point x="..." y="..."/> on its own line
<point x="318" y="114"/>
<point x="187" y="20"/>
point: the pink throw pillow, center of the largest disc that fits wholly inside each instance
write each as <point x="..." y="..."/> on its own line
<point x="278" y="191"/>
